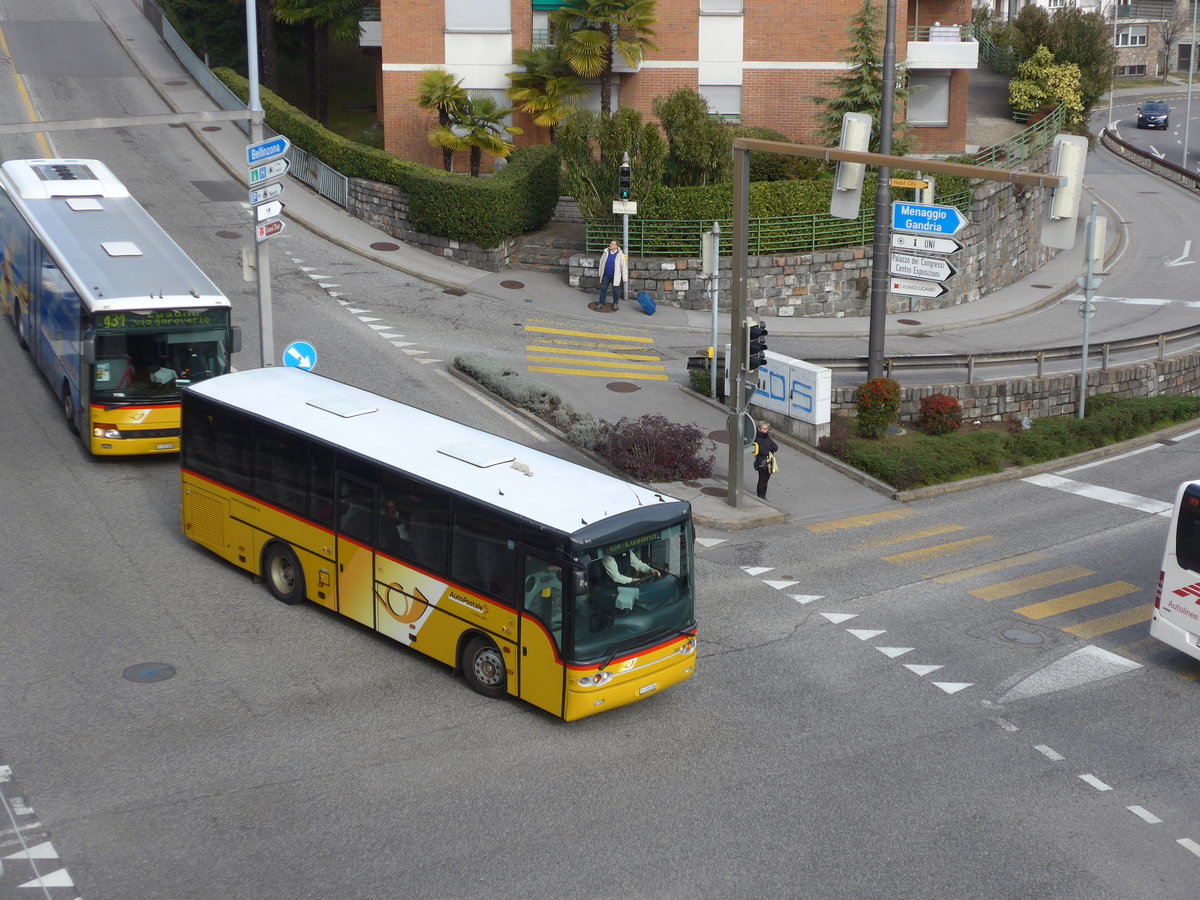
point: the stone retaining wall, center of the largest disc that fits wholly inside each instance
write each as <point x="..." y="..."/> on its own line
<point x="1001" y="246"/>
<point x="1054" y="395"/>
<point x="385" y="207"/>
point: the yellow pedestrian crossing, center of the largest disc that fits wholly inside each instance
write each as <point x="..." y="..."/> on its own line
<point x="1043" y="610"/>
<point x="1078" y="600"/>
<point x="1028" y="583"/>
<point x="589" y="354"/>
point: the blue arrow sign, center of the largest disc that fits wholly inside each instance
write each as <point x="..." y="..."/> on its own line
<point x="926" y="218"/>
<point x="265" y="151"/>
<point x="300" y="355"/>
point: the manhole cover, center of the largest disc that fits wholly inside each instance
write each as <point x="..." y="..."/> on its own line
<point x="692" y="484"/>
<point x="908" y="321"/>
<point x="1042" y="287"/>
<point x="232" y="235"/>
<point x="596" y="307"/>
<point x="211" y="128"/>
<point x="1021" y="636"/>
<point x="177" y="125"/>
<point x="515" y="285"/>
<point x="714" y="491"/>
<point x="144" y="673"/>
<point x="622" y="387"/>
<point x="175" y="83"/>
<point x="455" y="291"/>
<point x="385" y="245"/>
<point x="721" y="437"/>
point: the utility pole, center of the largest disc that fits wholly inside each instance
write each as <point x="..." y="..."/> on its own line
<point x="883" y="202"/>
<point x="713" y="272"/>
<point x="262" y="256"/>
<point x="1094" y="252"/>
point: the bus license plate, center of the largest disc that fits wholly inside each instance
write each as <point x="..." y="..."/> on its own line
<point x="164" y="446"/>
<point x="647" y="689"/>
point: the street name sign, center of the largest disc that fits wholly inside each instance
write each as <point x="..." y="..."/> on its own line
<point x="932" y="268"/>
<point x="300" y="355"/>
<point x="925" y="244"/>
<point x="910" y="287"/>
<point x="268" y="210"/>
<point x="265" y="151"/>
<point x="269" y="172"/>
<point x="265" y="193"/>
<point x="624" y="207"/>
<point x="268" y="229"/>
<point x="927" y="218"/>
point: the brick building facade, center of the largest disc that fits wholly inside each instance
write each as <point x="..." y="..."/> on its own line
<point x="757" y="62"/>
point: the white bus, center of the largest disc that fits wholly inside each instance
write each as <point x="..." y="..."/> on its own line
<point x="532" y="576"/>
<point x="115" y="315"/>
<point x="1176" y="618"/>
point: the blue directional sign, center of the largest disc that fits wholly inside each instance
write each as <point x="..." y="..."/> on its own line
<point x="300" y="355"/>
<point x="265" y="151"/>
<point x="927" y="218"/>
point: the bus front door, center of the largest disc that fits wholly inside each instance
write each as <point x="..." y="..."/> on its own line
<point x="355" y="556"/>
<point x="541" y="670"/>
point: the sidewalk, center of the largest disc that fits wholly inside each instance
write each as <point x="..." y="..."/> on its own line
<point x="808" y="488"/>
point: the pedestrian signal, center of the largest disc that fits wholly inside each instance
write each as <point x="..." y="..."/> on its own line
<point x="626" y="176"/>
<point x="756" y="347"/>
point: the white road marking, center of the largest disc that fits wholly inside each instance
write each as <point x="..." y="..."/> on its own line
<point x="1005" y="724"/>
<point x="952" y="687"/>
<point x="1050" y="754"/>
<point x="756" y="570"/>
<point x="893" y="652"/>
<point x="837" y="618"/>
<point x="1183" y="260"/>
<point x="710" y="542"/>
<point x="1080" y="667"/>
<point x="920" y="669"/>
<point x="1144" y="814"/>
<point x="864" y="634"/>
<point x="59" y="878"/>
<point x="1095" y="492"/>
<point x="805" y="598"/>
<point x="1189" y="844"/>
<point x="780" y="585"/>
<point x="520" y="423"/>
<point x="1095" y="782"/>
<point x="44" y="850"/>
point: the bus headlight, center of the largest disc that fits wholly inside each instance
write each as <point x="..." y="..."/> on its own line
<point x="595" y="680"/>
<point x="108" y="433"/>
<point x="688" y="647"/>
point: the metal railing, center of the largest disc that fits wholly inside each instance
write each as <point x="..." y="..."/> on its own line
<point x="1151" y="163"/>
<point x="1003" y="60"/>
<point x="969" y="363"/>
<point x="766" y="235"/>
<point x="922" y="32"/>
<point x="1024" y="144"/>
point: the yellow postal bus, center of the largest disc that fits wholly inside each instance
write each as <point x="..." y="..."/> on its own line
<point x="533" y="576"/>
<point x="116" y="316"/>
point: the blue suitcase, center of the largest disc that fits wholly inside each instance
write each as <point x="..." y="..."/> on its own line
<point x="646" y="303"/>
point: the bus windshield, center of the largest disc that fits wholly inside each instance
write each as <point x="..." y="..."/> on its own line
<point x="151" y="356"/>
<point x="633" y="592"/>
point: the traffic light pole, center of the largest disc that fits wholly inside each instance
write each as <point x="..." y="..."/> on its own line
<point x="627" y="172"/>
<point x="736" y="363"/>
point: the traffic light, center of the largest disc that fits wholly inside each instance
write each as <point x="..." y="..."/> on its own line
<point x="847" y="183"/>
<point x="1062" y="206"/>
<point x="626" y="174"/>
<point x="755" y="345"/>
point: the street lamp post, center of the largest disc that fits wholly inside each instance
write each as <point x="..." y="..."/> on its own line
<point x="1187" y="119"/>
<point x="883" y="200"/>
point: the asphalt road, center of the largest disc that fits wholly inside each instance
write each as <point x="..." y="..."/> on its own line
<point x="865" y="720"/>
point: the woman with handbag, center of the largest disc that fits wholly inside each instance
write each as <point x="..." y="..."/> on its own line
<point x="764" y="458"/>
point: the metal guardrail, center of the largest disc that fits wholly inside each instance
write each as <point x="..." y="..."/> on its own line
<point x="1149" y="161"/>
<point x="1003" y="60"/>
<point x="328" y="182"/>
<point x="971" y="362"/>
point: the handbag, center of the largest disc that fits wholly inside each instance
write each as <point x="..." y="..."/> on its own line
<point x="772" y="463"/>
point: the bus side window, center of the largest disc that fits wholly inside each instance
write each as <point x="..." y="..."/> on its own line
<point x="320" y="480"/>
<point x="1187" y="531"/>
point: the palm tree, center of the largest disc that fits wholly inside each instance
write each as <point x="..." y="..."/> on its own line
<point x="479" y="125"/>
<point x="323" y="20"/>
<point x="591" y="33"/>
<point x="546" y="87"/>
<point x="440" y="90"/>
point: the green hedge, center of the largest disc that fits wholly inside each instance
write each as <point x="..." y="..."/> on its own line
<point x="485" y="211"/>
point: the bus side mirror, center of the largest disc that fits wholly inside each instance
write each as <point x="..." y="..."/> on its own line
<point x="89" y="352"/>
<point x="235" y="339"/>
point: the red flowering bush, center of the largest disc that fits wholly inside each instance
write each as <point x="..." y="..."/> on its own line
<point x="939" y="414"/>
<point x="877" y="402"/>
<point x="652" y="449"/>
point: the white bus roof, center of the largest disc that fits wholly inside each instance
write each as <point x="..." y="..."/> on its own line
<point x="502" y="473"/>
<point x="115" y="254"/>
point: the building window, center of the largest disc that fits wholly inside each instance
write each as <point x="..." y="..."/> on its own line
<point x="929" y="99"/>
<point x="1133" y="36"/>
<point x="1131" y="70"/>
<point x="720" y="7"/>
<point x="541" y="29"/>
<point x="478" y="15"/>
<point x="1056" y="4"/>
<point x="724" y="100"/>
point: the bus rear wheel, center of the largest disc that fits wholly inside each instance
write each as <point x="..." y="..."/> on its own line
<point x="483" y="667"/>
<point x="285" y="578"/>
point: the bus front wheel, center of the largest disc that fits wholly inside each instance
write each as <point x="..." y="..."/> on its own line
<point x="69" y="411"/>
<point x="285" y="578"/>
<point x="483" y="667"/>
